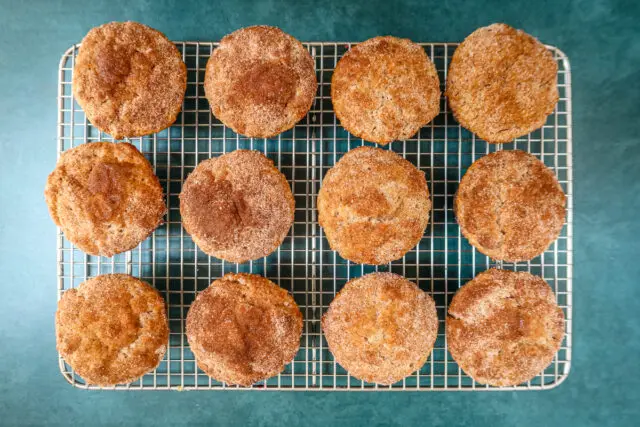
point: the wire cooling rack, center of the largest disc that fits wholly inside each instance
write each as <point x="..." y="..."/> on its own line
<point x="304" y="264"/>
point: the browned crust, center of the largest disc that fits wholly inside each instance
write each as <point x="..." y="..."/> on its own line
<point x="504" y="327"/>
<point x="129" y="79"/>
<point x="105" y="197"/>
<point x="373" y="206"/>
<point x="243" y="328"/>
<point x="501" y="83"/>
<point x="510" y="206"/>
<point x="112" y="329"/>
<point x="381" y="327"/>
<point x="238" y="206"/>
<point x="260" y="81"/>
<point x="385" y="89"/>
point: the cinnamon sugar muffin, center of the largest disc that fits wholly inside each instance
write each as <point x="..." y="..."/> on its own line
<point x="238" y="206"/>
<point x="504" y="327"/>
<point x="243" y="328"/>
<point x="385" y="89"/>
<point x="373" y="206"/>
<point x="381" y="327"/>
<point x="510" y="206"/>
<point x="502" y="83"/>
<point x="105" y="197"/>
<point x="112" y="329"/>
<point x="260" y="81"/>
<point x="129" y="79"/>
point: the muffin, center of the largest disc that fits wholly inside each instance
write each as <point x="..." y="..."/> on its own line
<point x="504" y="327"/>
<point x="112" y="329"/>
<point x="502" y="83"/>
<point x="129" y="79"/>
<point x="510" y="206"/>
<point x="260" y="81"/>
<point x="243" y="328"/>
<point x="105" y="197"/>
<point x="385" y="89"/>
<point x="237" y="207"/>
<point x="373" y="206"/>
<point x="381" y="327"/>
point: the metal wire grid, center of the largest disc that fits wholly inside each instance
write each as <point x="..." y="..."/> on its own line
<point x="304" y="264"/>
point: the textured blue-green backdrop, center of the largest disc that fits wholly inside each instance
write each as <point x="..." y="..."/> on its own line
<point x="602" y="39"/>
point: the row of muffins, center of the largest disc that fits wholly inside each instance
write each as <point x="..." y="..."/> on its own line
<point x="503" y="328"/>
<point x="501" y="84"/>
<point x="105" y="198"/>
<point x="239" y="207"/>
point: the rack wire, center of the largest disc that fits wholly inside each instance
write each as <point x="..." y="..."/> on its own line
<point x="304" y="264"/>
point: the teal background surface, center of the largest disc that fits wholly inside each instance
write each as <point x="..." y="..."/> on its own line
<point x="602" y="40"/>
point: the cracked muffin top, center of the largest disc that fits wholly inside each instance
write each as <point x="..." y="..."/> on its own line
<point x="385" y="89"/>
<point x="381" y="327"/>
<point x="112" y="329"/>
<point x="237" y="207"/>
<point x="504" y="327"/>
<point x="129" y="79"/>
<point x="501" y="83"/>
<point x="243" y="328"/>
<point x="373" y="206"/>
<point x="260" y="81"/>
<point x="510" y="206"/>
<point x="105" y="197"/>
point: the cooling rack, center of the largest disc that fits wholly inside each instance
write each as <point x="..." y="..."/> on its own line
<point x="304" y="264"/>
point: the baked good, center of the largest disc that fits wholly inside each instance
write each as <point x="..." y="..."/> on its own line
<point x="501" y="83"/>
<point x="504" y="327"/>
<point x="238" y="206"/>
<point x="129" y="79"/>
<point x="385" y="89"/>
<point x="260" y="81"/>
<point x="105" y="197"/>
<point x="373" y="206"/>
<point x="112" y="329"/>
<point x="381" y="327"/>
<point x="243" y="328"/>
<point x="510" y="206"/>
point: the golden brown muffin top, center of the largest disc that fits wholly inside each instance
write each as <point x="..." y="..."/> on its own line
<point x="504" y="327"/>
<point x="243" y="328"/>
<point x="502" y="83"/>
<point x="373" y="206"/>
<point x="129" y="79"/>
<point x="385" y="89"/>
<point x="381" y="327"/>
<point x="238" y="206"/>
<point x="112" y="329"/>
<point x="105" y="197"/>
<point x="260" y="81"/>
<point x="510" y="206"/>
